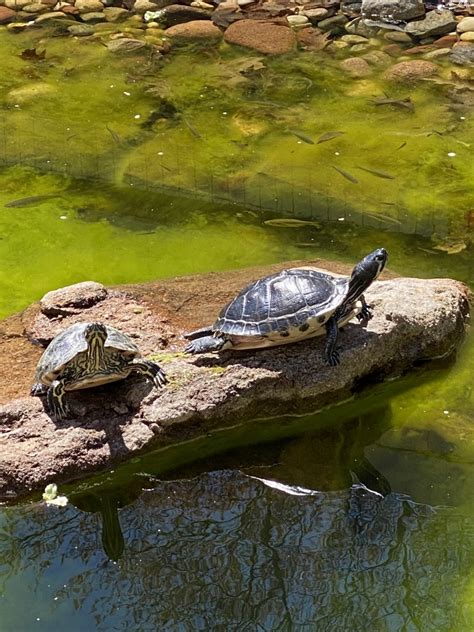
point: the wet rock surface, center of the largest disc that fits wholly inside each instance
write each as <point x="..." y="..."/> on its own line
<point x="413" y="319"/>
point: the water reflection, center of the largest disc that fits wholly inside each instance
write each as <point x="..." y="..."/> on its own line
<point x="225" y="551"/>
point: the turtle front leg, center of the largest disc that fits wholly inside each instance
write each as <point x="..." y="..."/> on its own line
<point x="56" y="400"/>
<point x="365" y="313"/>
<point x="150" y="370"/>
<point x="205" y="345"/>
<point x="332" y="330"/>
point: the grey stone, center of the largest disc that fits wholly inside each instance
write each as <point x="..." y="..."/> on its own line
<point x="433" y="24"/>
<point x="462" y="54"/>
<point x="334" y="24"/>
<point x="413" y="319"/>
<point x="359" y="27"/>
<point x="393" y="10"/>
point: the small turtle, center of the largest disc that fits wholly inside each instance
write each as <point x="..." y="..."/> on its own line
<point x="289" y="306"/>
<point x="85" y="355"/>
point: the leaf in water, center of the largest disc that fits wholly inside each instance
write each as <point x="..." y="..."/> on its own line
<point x="376" y="172"/>
<point x="329" y="136"/>
<point x="50" y="491"/>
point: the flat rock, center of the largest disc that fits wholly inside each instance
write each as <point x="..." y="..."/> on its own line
<point x="410" y="71"/>
<point x="73" y="298"/>
<point x="265" y="37"/>
<point x="413" y="319"/>
<point x="6" y="15"/>
<point x="393" y="10"/>
<point x="433" y="24"/>
<point x="195" y="31"/>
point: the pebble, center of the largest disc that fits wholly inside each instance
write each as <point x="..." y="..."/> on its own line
<point x="297" y="20"/>
<point x="465" y="25"/>
<point x="467" y="36"/>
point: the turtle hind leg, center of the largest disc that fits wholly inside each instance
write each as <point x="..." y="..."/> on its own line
<point x="150" y="370"/>
<point x="198" y="333"/>
<point x="205" y="345"/>
<point x="56" y="402"/>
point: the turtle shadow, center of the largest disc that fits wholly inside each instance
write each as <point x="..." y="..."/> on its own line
<point x="288" y="357"/>
<point x="107" y="408"/>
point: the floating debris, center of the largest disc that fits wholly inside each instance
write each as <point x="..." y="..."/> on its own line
<point x="50" y="496"/>
<point x="301" y="136"/>
<point x="346" y="175"/>
<point x="376" y="172"/>
<point x="329" y="136"/>
<point x="291" y="223"/>
<point x="451" y="247"/>
<point x="32" y="200"/>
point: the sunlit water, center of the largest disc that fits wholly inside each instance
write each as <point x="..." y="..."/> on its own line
<point x="355" y="519"/>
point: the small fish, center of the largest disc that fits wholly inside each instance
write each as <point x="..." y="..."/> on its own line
<point x="114" y="135"/>
<point x="384" y="218"/>
<point x="402" y="103"/>
<point x="346" y="175"/>
<point x="430" y="252"/>
<point x="402" y="145"/>
<point x="328" y="136"/>
<point x="191" y="128"/>
<point x="291" y="223"/>
<point x="31" y="201"/>
<point x="379" y="174"/>
<point x="301" y="136"/>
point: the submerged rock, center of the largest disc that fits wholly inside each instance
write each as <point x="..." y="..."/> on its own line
<point x="410" y="71"/>
<point x="265" y="37"/>
<point x="413" y="319"/>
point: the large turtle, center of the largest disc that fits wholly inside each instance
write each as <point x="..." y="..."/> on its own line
<point x="289" y="306"/>
<point x="85" y="355"/>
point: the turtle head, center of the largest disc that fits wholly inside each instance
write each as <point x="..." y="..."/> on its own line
<point x="365" y="273"/>
<point x="95" y="335"/>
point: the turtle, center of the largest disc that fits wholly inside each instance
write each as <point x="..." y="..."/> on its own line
<point x="85" y="355"/>
<point x="289" y="306"/>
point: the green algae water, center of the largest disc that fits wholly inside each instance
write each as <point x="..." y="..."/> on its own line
<point x="355" y="519"/>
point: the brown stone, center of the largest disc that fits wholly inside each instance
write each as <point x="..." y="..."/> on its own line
<point x="447" y="41"/>
<point x="418" y="50"/>
<point x="6" y="15"/>
<point x="356" y="67"/>
<point x="394" y="50"/>
<point x="72" y="299"/>
<point x="265" y="37"/>
<point x="409" y="71"/>
<point x="313" y="39"/>
<point x="197" y="30"/>
<point x="114" y="422"/>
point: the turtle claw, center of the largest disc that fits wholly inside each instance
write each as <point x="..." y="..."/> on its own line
<point x="333" y="358"/>
<point x="365" y="314"/>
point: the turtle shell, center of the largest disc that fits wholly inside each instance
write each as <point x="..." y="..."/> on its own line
<point x="66" y="345"/>
<point x="293" y="300"/>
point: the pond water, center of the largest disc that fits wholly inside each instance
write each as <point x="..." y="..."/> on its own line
<point x="359" y="518"/>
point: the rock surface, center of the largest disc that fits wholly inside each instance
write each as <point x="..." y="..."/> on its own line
<point x="267" y="38"/>
<point x="116" y="421"/>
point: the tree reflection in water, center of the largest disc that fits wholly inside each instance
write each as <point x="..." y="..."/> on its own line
<point x="226" y="551"/>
